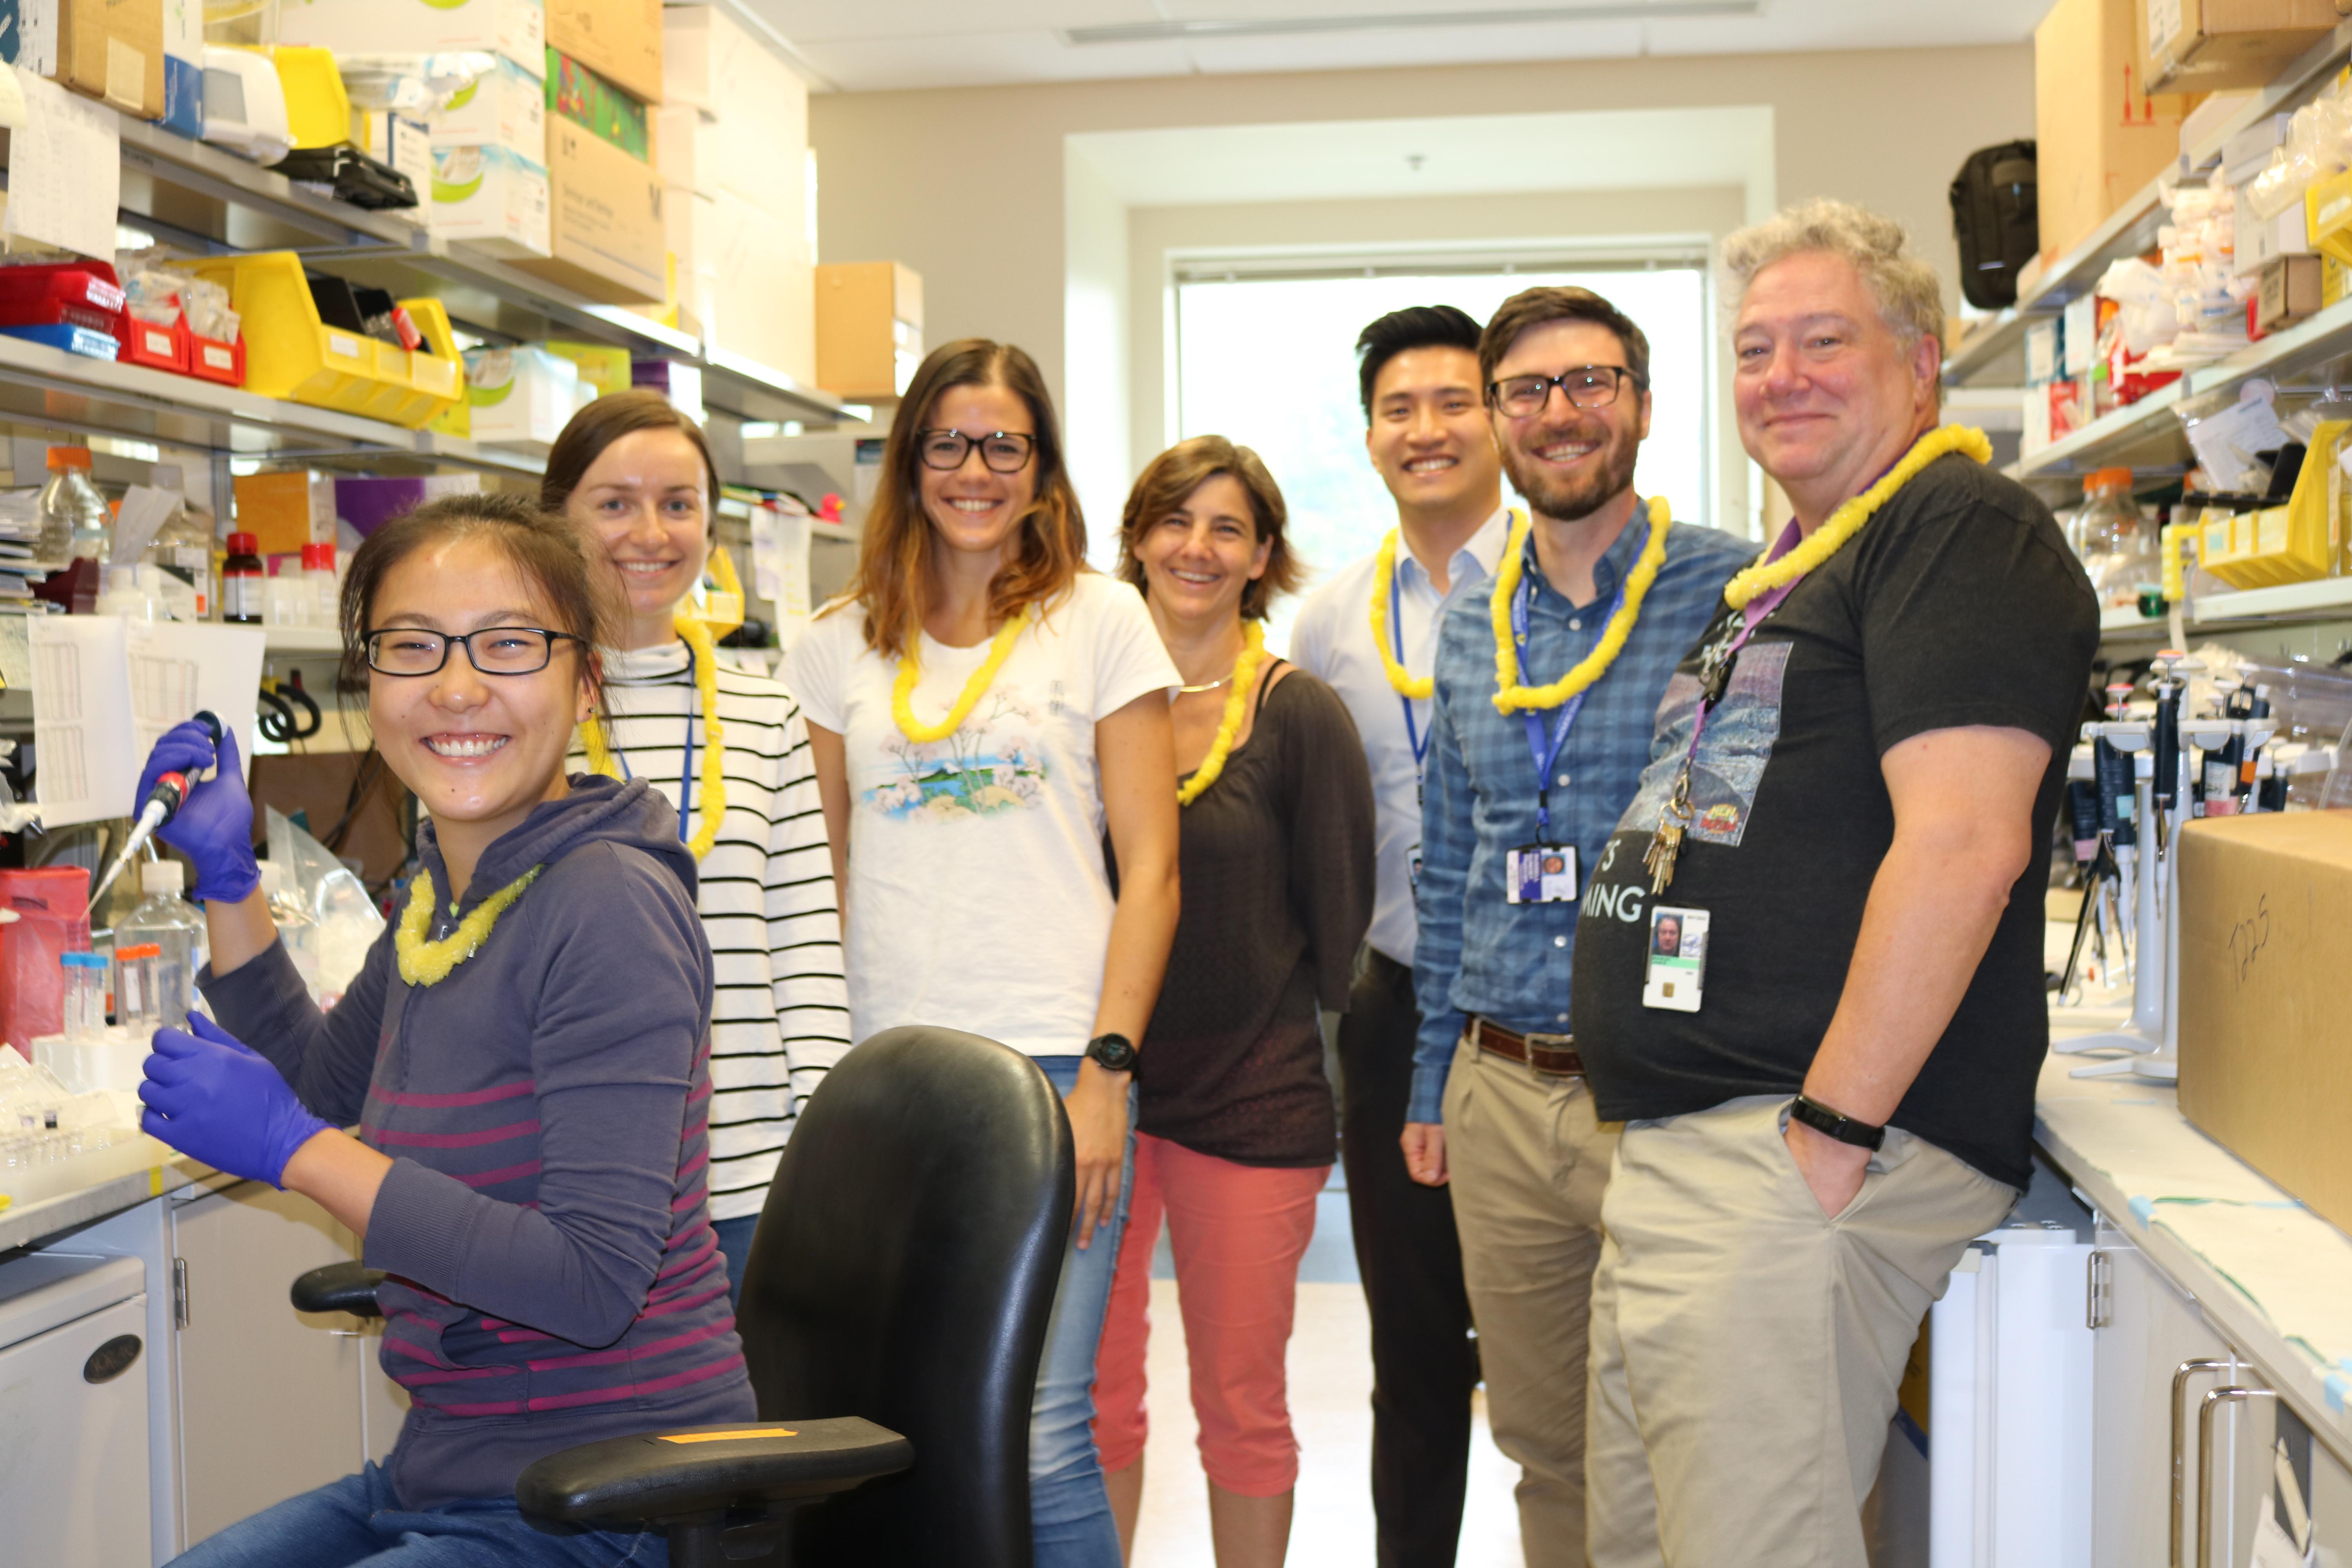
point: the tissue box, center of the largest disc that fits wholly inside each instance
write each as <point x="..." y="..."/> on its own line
<point x="491" y="195"/>
<point x="515" y="28"/>
<point x="520" y="395"/>
<point x="506" y="108"/>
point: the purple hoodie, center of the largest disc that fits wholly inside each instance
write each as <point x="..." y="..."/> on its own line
<point x="555" y="1276"/>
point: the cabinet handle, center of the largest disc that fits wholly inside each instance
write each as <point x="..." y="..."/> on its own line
<point x="2098" y="1288"/>
<point x="2205" y="1413"/>
<point x="2180" y="1376"/>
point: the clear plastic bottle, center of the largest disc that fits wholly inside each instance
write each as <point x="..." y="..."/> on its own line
<point x="319" y="572"/>
<point x="136" y="991"/>
<point x="75" y="520"/>
<point x="172" y="926"/>
<point x="2117" y="546"/>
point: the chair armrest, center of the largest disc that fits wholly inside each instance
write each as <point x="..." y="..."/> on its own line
<point x="338" y="1288"/>
<point x="652" y="1478"/>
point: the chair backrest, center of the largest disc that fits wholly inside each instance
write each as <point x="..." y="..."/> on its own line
<point x="904" y="1271"/>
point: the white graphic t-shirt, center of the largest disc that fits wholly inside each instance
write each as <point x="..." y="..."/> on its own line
<point x="978" y="897"/>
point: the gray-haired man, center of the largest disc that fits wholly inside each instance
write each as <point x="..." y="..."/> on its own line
<point x="1845" y="815"/>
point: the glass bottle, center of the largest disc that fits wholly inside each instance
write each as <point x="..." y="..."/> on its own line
<point x="2117" y="547"/>
<point x="243" y="580"/>
<point x="169" y="924"/>
<point x="75" y="520"/>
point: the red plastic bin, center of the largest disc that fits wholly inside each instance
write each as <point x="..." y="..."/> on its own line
<point x="157" y="348"/>
<point x="46" y="294"/>
<point x="209" y="359"/>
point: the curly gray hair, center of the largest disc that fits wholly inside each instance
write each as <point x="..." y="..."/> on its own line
<point x="1909" y="295"/>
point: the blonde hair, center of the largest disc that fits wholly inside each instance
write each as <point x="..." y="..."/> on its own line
<point x="1910" y="298"/>
<point x="893" y="584"/>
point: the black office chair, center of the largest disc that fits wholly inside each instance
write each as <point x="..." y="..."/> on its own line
<point x="904" y="1271"/>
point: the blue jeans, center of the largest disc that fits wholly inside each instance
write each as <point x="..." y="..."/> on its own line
<point x="357" y="1520"/>
<point x="1070" y="1524"/>
<point x="735" y="1245"/>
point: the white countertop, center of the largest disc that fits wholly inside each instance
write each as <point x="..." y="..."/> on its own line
<point x="2270" y="1274"/>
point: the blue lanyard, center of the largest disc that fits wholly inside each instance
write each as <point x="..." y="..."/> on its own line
<point x="1413" y="737"/>
<point x="685" y="778"/>
<point x="1545" y="756"/>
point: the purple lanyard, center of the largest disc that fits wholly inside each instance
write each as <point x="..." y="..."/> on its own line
<point x="1715" y="674"/>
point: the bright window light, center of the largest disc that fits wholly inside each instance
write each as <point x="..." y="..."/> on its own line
<point x="1270" y="363"/>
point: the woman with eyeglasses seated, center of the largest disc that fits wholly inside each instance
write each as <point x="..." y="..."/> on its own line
<point x="1237" y="1125"/>
<point x="983" y="705"/>
<point x="527" y="1054"/>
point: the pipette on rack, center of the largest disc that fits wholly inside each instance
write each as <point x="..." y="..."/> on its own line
<point x="163" y="804"/>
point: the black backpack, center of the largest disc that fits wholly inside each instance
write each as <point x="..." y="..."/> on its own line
<point x="1997" y="220"/>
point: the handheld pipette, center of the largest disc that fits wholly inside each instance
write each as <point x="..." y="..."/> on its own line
<point x="163" y="804"/>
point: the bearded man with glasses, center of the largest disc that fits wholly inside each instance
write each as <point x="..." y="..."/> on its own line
<point x="1545" y="684"/>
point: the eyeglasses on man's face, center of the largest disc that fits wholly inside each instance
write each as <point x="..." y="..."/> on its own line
<point x="493" y="650"/>
<point x="1004" y="451"/>
<point x="1588" y="386"/>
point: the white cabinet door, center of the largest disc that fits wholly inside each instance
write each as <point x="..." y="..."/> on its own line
<point x="269" y="1399"/>
<point x="73" y="1444"/>
<point x="2146" y="1329"/>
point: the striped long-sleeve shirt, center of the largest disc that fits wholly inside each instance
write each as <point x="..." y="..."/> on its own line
<point x="781" y="1015"/>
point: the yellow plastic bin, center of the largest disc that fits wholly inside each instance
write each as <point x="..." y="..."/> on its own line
<point x="290" y="353"/>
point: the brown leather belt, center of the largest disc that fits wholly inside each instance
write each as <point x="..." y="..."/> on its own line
<point x="1544" y="1053"/>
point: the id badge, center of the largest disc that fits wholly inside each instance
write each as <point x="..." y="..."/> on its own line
<point x="1540" y="874"/>
<point x="1677" y="963"/>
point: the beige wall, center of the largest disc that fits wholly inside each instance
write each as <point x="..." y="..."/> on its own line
<point x="965" y="186"/>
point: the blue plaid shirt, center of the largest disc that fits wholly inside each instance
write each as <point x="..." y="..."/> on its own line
<point x="1477" y="952"/>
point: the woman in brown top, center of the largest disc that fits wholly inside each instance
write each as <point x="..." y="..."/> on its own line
<point x="1236" y="1126"/>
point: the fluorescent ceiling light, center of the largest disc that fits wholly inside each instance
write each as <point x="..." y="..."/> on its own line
<point x="1261" y="28"/>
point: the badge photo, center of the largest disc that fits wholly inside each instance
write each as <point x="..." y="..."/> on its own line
<point x="1676" y="970"/>
<point x="1540" y="874"/>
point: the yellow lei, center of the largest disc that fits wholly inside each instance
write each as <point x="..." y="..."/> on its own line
<point x="910" y="671"/>
<point x="714" y="737"/>
<point x="1511" y="696"/>
<point x="1401" y="680"/>
<point x="1245" y="677"/>
<point x="424" y="963"/>
<point x="1847" y="520"/>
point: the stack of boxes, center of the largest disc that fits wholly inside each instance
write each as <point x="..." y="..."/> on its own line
<point x="733" y="130"/>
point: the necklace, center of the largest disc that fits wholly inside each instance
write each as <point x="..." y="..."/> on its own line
<point x="1847" y="520"/>
<point x="1204" y="686"/>
<point x="1757" y="593"/>
<point x="910" y="671"/>
<point x="1401" y="681"/>
<point x="1511" y="696"/>
<point x="704" y="653"/>
<point x="1244" y="677"/>
<point x="424" y="963"/>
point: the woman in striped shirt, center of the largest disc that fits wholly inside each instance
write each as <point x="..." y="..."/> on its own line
<point x="637" y="475"/>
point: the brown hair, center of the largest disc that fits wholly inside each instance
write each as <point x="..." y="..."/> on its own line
<point x="606" y="421"/>
<point x="543" y="548"/>
<point x="1534" y="307"/>
<point x="893" y="581"/>
<point x="1170" y="478"/>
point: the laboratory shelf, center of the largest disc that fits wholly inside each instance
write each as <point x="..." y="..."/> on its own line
<point x="301" y="640"/>
<point x="2321" y="599"/>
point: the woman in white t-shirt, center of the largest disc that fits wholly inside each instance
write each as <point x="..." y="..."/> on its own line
<point x="983" y="707"/>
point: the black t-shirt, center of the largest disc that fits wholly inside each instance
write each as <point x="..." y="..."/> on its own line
<point x="1959" y="604"/>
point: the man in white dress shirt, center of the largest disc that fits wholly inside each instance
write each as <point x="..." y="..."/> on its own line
<point x="1429" y="436"/>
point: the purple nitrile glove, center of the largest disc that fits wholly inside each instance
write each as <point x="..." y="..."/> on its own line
<point x="214" y="826"/>
<point x="210" y="1095"/>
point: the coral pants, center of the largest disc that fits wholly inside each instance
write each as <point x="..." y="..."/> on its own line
<point x="1238" y="1232"/>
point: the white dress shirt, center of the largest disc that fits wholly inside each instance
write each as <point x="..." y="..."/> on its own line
<point x="1333" y="639"/>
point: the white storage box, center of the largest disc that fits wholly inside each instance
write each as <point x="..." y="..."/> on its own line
<point x="491" y="195"/>
<point x="520" y="396"/>
<point x="759" y="107"/>
<point x="506" y="108"/>
<point x="2042" y="352"/>
<point x="515" y="28"/>
<point x="762" y="289"/>
<point x="686" y="149"/>
<point x="2261" y="240"/>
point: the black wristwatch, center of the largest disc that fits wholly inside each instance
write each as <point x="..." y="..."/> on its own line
<point x="1115" y="1052"/>
<point x="1844" y="1129"/>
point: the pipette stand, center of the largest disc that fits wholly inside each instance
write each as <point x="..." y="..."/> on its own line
<point x="2150" y="1039"/>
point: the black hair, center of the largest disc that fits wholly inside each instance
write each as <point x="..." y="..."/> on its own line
<point x="1414" y="327"/>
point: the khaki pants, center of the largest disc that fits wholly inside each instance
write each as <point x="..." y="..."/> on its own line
<point x="1746" y="1347"/>
<point x="1528" y="1162"/>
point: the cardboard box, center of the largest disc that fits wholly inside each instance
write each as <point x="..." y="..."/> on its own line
<point x="494" y="197"/>
<point x="686" y="149"/>
<point x="2288" y="292"/>
<point x="869" y="328"/>
<point x="2265" y="912"/>
<point x="515" y="28"/>
<point x="605" y="221"/>
<point x="286" y="510"/>
<point x="587" y="100"/>
<point x="506" y="108"/>
<point x="2197" y="45"/>
<point x="762" y="289"/>
<point x="110" y="49"/>
<point x="756" y="106"/>
<point x="2101" y="139"/>
<point x="620" y="40"/>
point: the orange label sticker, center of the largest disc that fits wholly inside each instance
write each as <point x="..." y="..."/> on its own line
<point x="724" y="1437"/>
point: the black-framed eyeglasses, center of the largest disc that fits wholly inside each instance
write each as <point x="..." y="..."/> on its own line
<point x="1004" y="451"/>
<point x="1588" y="386"/>
<point x="493" y="650"/>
